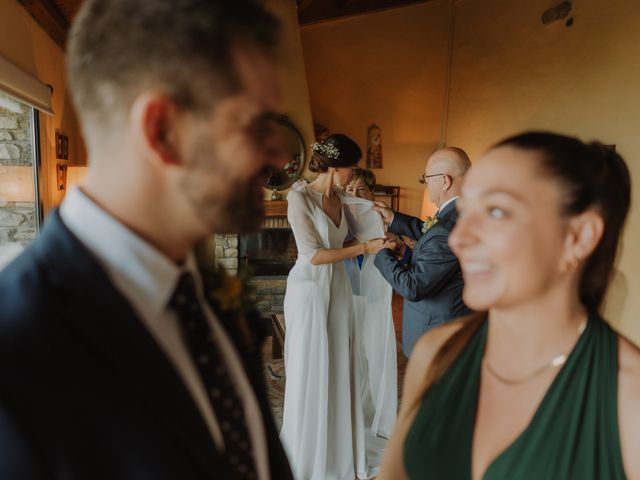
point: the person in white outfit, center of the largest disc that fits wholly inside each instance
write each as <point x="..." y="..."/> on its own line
<point x="374" y="321"/>
<point x="324" y="429"/>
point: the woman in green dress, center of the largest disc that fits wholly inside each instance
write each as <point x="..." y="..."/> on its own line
<point x="535" y="385"/>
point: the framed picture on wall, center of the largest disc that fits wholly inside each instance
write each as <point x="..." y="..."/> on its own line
<point x="374" y="146"/>
<point x="62" y="146"/>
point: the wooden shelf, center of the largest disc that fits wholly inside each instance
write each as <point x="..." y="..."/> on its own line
<point x="275" y="208"/>
<point x="388" y="191"/>
<point x="278" y="208"/>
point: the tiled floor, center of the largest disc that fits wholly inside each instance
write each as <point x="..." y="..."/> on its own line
<point x="274" y="369"/>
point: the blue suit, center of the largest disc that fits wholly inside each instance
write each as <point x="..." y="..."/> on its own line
<point x="85" y="391"/>
<point x="431" y="283"/>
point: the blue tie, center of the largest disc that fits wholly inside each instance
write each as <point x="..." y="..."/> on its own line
<point x="360" y="260"/>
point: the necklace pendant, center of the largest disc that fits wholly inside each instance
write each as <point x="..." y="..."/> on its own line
<point x="553" y="363"/>
<point x="559" y="360"/>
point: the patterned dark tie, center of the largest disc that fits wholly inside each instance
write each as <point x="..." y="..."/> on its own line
<point x="224" y="399"/>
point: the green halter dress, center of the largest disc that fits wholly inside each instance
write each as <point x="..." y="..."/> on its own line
<point x="572" y="435"/>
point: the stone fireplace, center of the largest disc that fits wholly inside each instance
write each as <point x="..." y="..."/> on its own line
<point x="271" y="253"/>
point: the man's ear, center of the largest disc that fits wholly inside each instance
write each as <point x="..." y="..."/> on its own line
<point x="585" y="232"/>
<point x="447" y="182"/>
<point x="154" y="128"/>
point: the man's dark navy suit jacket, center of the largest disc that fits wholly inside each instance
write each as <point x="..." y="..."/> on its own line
<point x="85" y="392"/>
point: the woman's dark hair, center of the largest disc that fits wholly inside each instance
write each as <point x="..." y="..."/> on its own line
<point x="590" y="176"/>
<point x="336" y="150"/>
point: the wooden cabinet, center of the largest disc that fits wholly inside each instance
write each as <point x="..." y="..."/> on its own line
<point x="389" y="194"/>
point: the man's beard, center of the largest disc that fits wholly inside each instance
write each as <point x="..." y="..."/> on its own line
<point x="240" y="212"/>
<point x="238" y="208"/>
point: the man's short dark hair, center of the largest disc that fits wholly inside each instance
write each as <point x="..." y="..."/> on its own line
<point x="119" y="48"/>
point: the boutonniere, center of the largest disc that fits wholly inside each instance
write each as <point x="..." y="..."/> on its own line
<point x="233" y="299"/>
<point x="428" y="223"/>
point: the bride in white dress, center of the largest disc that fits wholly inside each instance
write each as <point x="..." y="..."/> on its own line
<point x="324" y="428"/>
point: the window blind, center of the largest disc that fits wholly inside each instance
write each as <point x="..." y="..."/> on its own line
<point x="24" y="87"/>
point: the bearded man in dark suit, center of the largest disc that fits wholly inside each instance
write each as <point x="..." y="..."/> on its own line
<point x="431" y="283"/>
<point x="115" y="362"/>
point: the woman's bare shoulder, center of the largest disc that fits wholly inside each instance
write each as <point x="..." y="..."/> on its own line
<point x="431" y="342"/>
<point x="422" y="356"/>
<point x="629" y="405"/>
<point x="629" y="352"/>
<point x="629" y="368"/>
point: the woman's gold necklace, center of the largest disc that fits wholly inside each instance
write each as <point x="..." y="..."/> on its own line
<point x="553" y="363"/>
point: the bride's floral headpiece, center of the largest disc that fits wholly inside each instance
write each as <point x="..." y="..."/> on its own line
<point x="337" y="151"/>
<point x="327" y="149"/>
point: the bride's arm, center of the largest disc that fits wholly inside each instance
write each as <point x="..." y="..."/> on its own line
<point x="308" y="240"/>
<point x="334" y="255"/>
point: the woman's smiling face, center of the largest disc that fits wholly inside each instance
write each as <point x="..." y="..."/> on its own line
<point x="511" y="235"/>
<point x="360" y="189"/>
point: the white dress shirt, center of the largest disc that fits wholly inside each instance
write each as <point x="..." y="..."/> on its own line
<point x="147" y="279"/>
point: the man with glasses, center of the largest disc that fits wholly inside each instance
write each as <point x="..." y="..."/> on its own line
<point x="431" y="283"/>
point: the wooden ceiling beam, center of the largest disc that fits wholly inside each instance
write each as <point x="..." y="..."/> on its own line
<point x="311" y="11"/>
<point x="343" y="3"/>
<point x="49" y="16"/>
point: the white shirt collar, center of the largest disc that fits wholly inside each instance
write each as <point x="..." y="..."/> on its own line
<point x="143" y="274"/>
<point x="442" y="207"/>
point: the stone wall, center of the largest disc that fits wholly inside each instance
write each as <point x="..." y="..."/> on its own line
<point x="269" y="291"/>
<point x="269" y="294"/>
<point x="18" y="222"/>
<point x="16" y="146"/>
<point x="227" y="252"/>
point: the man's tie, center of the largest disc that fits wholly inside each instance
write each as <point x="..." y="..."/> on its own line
<point x="224" y="399"/>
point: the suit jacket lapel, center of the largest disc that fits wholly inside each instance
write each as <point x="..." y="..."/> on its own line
<point x="249" y="350"/>
<point x="105" y="320"/>
<point x="247" y="342"/>
<point x="446" y="211"/>
<point x="445" y="218"/>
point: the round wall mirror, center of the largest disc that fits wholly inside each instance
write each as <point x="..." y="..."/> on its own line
<point x="281" y="179"/>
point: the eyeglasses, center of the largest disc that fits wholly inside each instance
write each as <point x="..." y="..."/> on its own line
<point x="424" y="179"/>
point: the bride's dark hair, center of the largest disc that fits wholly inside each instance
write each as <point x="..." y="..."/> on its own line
<point x="336" y="150"/>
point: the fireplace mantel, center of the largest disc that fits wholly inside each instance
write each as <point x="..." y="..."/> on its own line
<point x="275" y="208"/>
